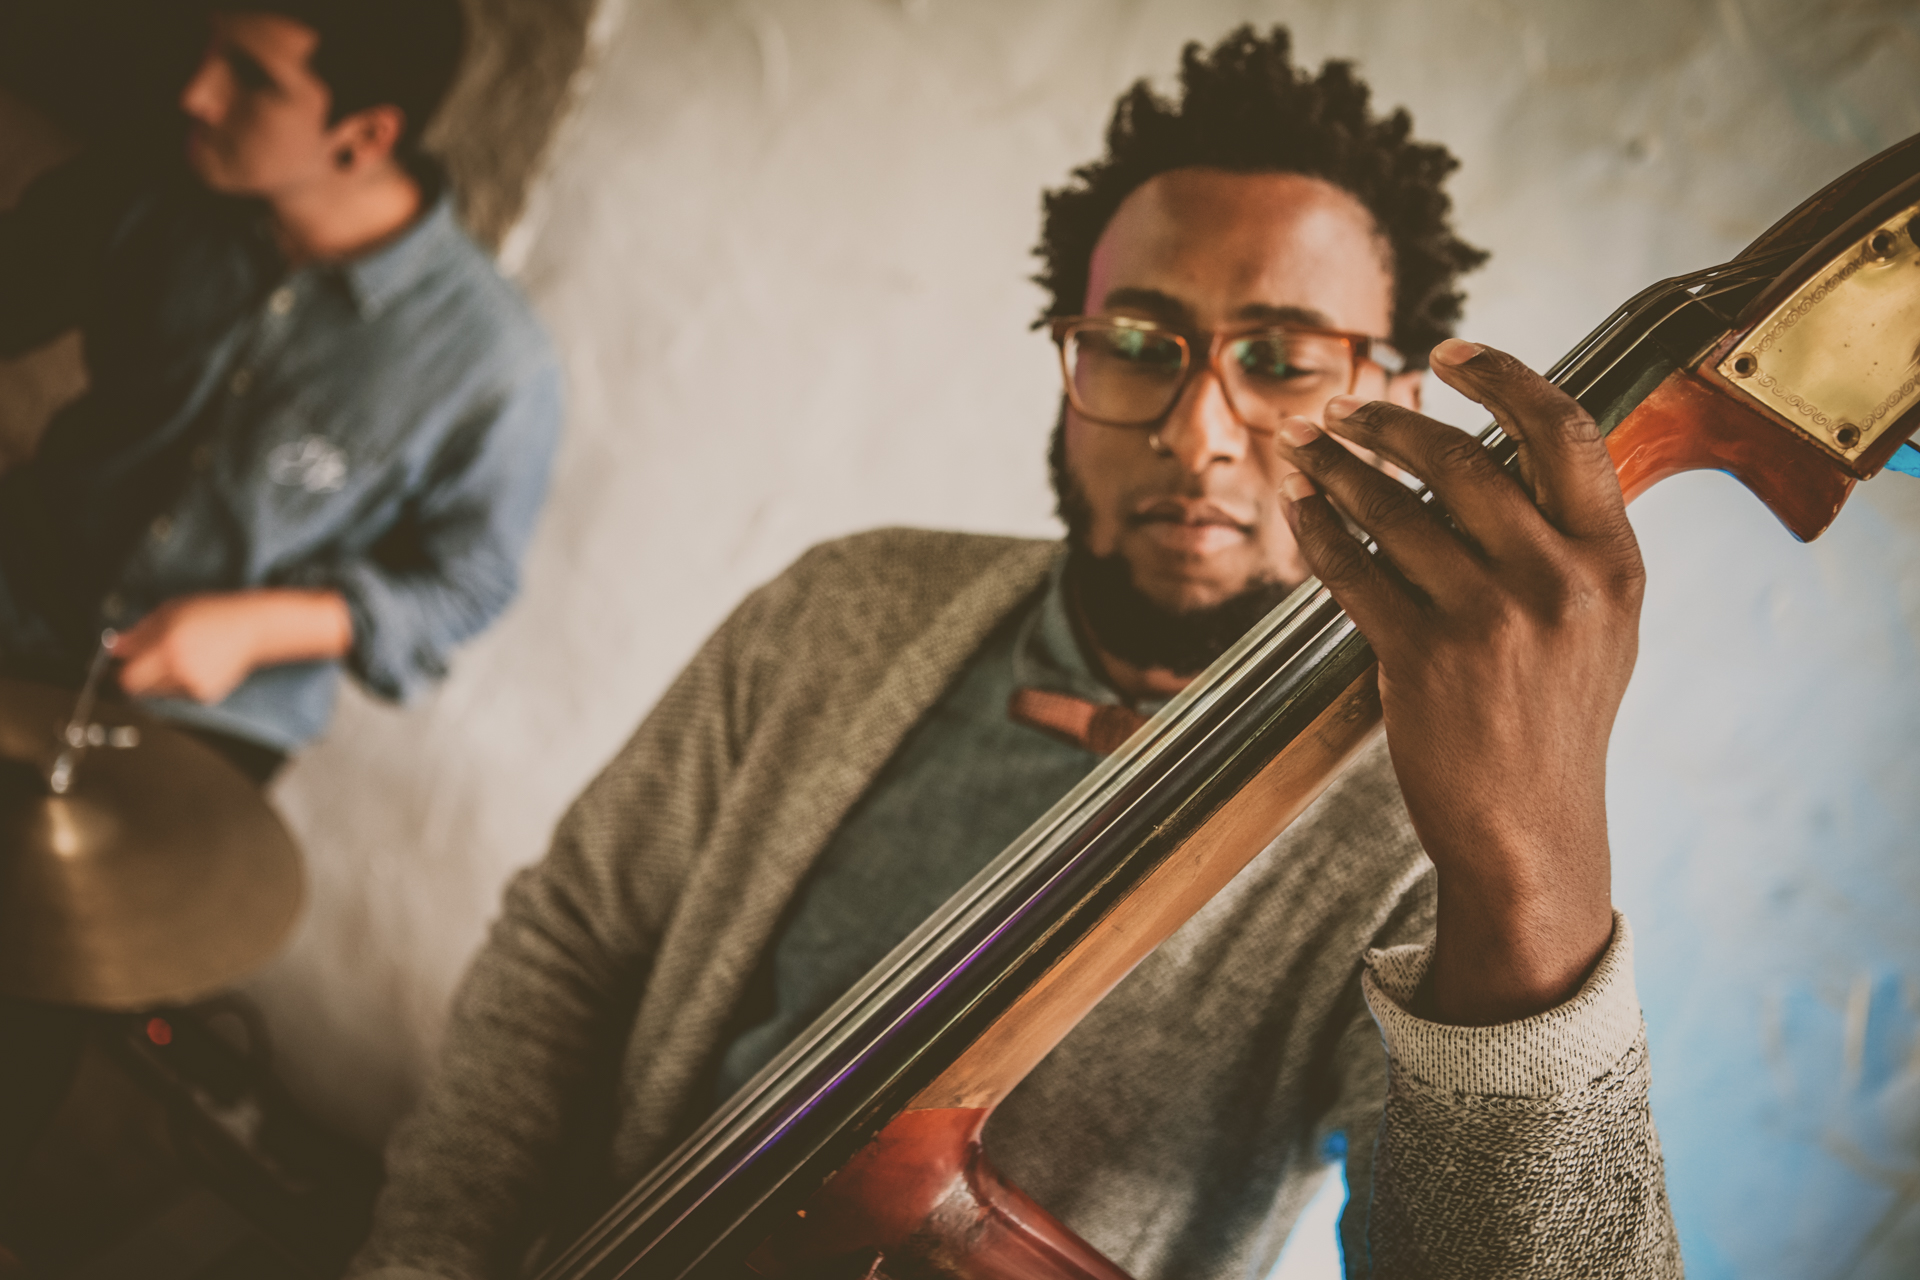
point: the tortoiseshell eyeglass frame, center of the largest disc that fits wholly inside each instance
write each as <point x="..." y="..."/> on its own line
<point x="1362" y="347"/>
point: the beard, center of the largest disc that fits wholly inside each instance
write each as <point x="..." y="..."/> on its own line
<point x="1133" y="627"/>
<point x="1124" y="620"/>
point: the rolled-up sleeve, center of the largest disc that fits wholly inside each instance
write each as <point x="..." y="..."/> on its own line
<point x="451" y="563"/>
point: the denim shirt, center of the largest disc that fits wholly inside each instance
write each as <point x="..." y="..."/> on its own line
<point x="381" y="426"/>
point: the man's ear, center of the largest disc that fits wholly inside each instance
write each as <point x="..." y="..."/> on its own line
<point x="372" y="133"/>
<point x="1404" y="389"/>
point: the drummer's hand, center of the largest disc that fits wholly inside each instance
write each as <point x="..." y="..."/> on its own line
<point x="1503" y="657"/>
<point x="203" y="646"/>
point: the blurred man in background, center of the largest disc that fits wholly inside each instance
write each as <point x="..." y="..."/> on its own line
<point x="318" y="426"/>
<point x="319" y="423"/>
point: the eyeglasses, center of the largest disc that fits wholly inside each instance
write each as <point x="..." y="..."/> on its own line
<point x="1125" y="372"/>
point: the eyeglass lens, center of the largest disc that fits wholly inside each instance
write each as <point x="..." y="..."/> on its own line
<point x="1131" y="377"/>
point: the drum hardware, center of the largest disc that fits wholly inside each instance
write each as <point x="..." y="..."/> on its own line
<point x="147" y="873"/>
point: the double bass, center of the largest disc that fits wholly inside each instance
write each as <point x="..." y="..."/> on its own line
<point x="1794" y="367"/>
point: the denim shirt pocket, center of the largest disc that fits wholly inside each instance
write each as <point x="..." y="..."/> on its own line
<point x="311" y="463"/>
<point x="303" y="479"/>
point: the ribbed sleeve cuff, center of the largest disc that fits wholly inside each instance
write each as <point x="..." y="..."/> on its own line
<point x="1564" y="1048"/>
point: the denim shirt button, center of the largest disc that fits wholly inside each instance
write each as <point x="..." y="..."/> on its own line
<point x="242" y="379"/>
<point x="161" y="528"/>
<point x="202" y="457"/>
<point x="280" y="301"/>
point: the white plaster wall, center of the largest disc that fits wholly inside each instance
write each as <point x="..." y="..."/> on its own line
<point x="783" y="247"/>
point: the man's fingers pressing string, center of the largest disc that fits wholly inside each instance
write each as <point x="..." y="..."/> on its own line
<point x="1409" y="535"/>
<point x="1573" y="479"/>
<point x="1359" y="582"/>
<point x="1487" y="505"/>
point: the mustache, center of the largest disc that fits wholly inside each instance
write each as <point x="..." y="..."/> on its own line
<point x="1193" y="511"/>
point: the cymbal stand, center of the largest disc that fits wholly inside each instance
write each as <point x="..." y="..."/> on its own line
<point x="74" y="740"/>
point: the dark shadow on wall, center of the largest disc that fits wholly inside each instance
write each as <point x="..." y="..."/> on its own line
<point x="100" y="68"/>
<point x="34" y="385"/>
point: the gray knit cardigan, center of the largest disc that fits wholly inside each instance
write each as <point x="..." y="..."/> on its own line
<point x="1180" y="1128"/>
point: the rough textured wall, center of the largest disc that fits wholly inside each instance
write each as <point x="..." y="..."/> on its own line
<point x="521" y="57"/>
<point x="783" y="248"/>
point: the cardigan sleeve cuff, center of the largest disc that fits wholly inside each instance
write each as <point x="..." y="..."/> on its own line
<point x="1563" y="1048"/>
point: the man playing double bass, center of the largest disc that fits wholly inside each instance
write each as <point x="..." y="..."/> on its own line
<point x="1424" y="976"/>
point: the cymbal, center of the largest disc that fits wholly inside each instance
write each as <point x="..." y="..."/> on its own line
<point x="161" y="875"/>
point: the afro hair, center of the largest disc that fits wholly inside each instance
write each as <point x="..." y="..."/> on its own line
<point x="1245" y="107"/>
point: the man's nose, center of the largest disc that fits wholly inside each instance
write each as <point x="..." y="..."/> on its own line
<point x="1202" y="428"/>
<point x="205" y="97"/>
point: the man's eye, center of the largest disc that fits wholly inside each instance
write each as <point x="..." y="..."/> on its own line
<point x="1272" y="360"/>
<point x="250" y="75"/>
<point x="1136" y="347"/>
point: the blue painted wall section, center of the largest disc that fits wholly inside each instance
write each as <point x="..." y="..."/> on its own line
<point x="1779" y="931"/>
